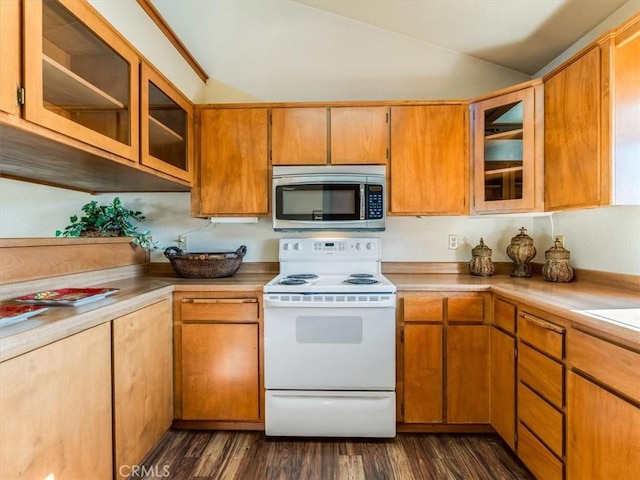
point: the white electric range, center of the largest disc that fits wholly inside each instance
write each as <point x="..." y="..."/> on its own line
<point x="329" y="334"/>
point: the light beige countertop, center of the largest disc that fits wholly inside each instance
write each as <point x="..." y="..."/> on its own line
<point x="566" y="300"/>
<point x="136" y="292"/>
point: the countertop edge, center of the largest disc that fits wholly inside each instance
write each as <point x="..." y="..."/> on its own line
<point x="141" y="291"/>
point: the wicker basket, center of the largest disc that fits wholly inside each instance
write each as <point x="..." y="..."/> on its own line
<point x="205" y="264"/>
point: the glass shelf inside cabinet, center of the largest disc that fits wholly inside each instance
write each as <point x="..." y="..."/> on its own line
<point x="167" y="128"/>
<point x="84" y="80"/>
<point x="503" y="152"/>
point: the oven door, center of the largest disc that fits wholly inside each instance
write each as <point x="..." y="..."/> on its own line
<point x="330" y="347"/>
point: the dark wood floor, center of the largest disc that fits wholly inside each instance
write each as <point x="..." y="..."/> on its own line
<point x="224" y="455"/>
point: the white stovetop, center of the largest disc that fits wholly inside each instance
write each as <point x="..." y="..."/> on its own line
<point x="330" y="284"/>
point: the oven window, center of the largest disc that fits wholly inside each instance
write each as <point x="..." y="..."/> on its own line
<point x="334" y="329"/>
<point x="318" y="202"/>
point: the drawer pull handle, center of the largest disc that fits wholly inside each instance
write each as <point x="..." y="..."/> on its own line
<point x="543" y="324"/>
<point x="220" y="300"/>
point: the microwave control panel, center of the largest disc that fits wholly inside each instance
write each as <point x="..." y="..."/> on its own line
<point x="375" y="204"/>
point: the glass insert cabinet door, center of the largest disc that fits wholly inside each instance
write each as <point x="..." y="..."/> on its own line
<point x="80" y="76"/>
<point x="504" y="152"/>
<point x="166" y="126"/>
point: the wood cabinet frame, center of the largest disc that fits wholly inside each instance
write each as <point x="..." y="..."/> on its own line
<point x="237" y="308"/>
<point x="530" y="94"/>
<point x="33" y="67"/>
<point x="150" y="74"/>
<point x="443" y="337"/>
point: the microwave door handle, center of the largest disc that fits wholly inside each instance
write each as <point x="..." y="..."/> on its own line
<point x="362" y="201"/>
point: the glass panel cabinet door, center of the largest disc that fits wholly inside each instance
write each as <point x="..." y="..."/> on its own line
<point x="166" y="126"/>
<point x="505" y="153"/>
<point x="80" y="76"/>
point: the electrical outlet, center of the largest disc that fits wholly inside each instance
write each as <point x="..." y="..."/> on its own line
<point x="453" y="242"/>
<point x="182" y="242"/>
<point x="560" y="239"/>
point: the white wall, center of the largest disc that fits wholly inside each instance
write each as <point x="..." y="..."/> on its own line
<point x="38" y="211"/>
<point x="137" y="27"/>
<point x="29" y="210"/>
<point x="605" y="238"/>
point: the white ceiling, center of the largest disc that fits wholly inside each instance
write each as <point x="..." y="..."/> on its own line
<point x="521" y="35"/>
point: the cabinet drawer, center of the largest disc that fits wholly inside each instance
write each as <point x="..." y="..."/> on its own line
<point x="541" y="418"/>
<point x="465" y="309"/>
<point x="541" y="374"/>
<point x="542" y="463"/>
<point x="545" y="336"/>
<point x="423" y="309"/>
<point x="219" y="310"/>
<point x="504" y="315"/>
<point x="615" y="366"/>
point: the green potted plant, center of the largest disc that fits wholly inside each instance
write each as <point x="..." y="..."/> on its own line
<point x="111" y="220"/>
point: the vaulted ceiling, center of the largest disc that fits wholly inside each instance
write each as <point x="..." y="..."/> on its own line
<point x="521" y="35"/>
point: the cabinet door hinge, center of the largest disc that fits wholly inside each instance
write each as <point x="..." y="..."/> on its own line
<point x="402" y="336"/>
<point x="387" y="154"/>
<point x="20" y="96"/>
<point x="515" y="352"/>
<point x="515" y="437"/>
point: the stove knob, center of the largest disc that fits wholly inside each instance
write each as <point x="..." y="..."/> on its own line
<point x="297" y="246"/>
<point x="358" y="246"/>
<point x="286" y="246"/>
<point x="369" y="246"/>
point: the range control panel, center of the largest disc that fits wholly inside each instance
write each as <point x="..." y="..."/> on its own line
<point x="299" y="249"/>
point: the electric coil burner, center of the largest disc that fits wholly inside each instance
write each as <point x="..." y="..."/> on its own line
<point x="329" y="341"/>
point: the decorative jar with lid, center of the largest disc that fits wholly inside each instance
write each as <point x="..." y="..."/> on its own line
<point x="521" y="251"/>
<point x="556" y="266"/>
<point x="481" y="263"/>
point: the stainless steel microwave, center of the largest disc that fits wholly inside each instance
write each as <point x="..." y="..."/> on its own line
<point x="329" y="198"/>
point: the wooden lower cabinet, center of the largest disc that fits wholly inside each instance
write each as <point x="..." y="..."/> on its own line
<point x="603" y="438"/>
<point x="503" y="385"/>
<point x="467" y="383"/>
<point x="220" y="372"/>
<point x="142" y="383"/>
<point x="538" y="459"/>
<point x="445" y="359"/>
<point x="218" y="367"/>
<point x="423" y="374"/>
<point x="541" y="393"/>
<point x="55" y="410"/>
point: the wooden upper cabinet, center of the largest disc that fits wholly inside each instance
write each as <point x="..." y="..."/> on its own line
<point x="166" y="128"/>
<point x="233" y="170"/>
<point x="299" y="136"/>
<point x="359" y="135"/>
<point x="508" y="150"/>
<point x="592" y="125"/>
<point x="81" y="77"/>
<point x="10" y="41"/>
<point x="572" y="134"/>
<point x="626" y="114"/>
<point x="429" y="164"/>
